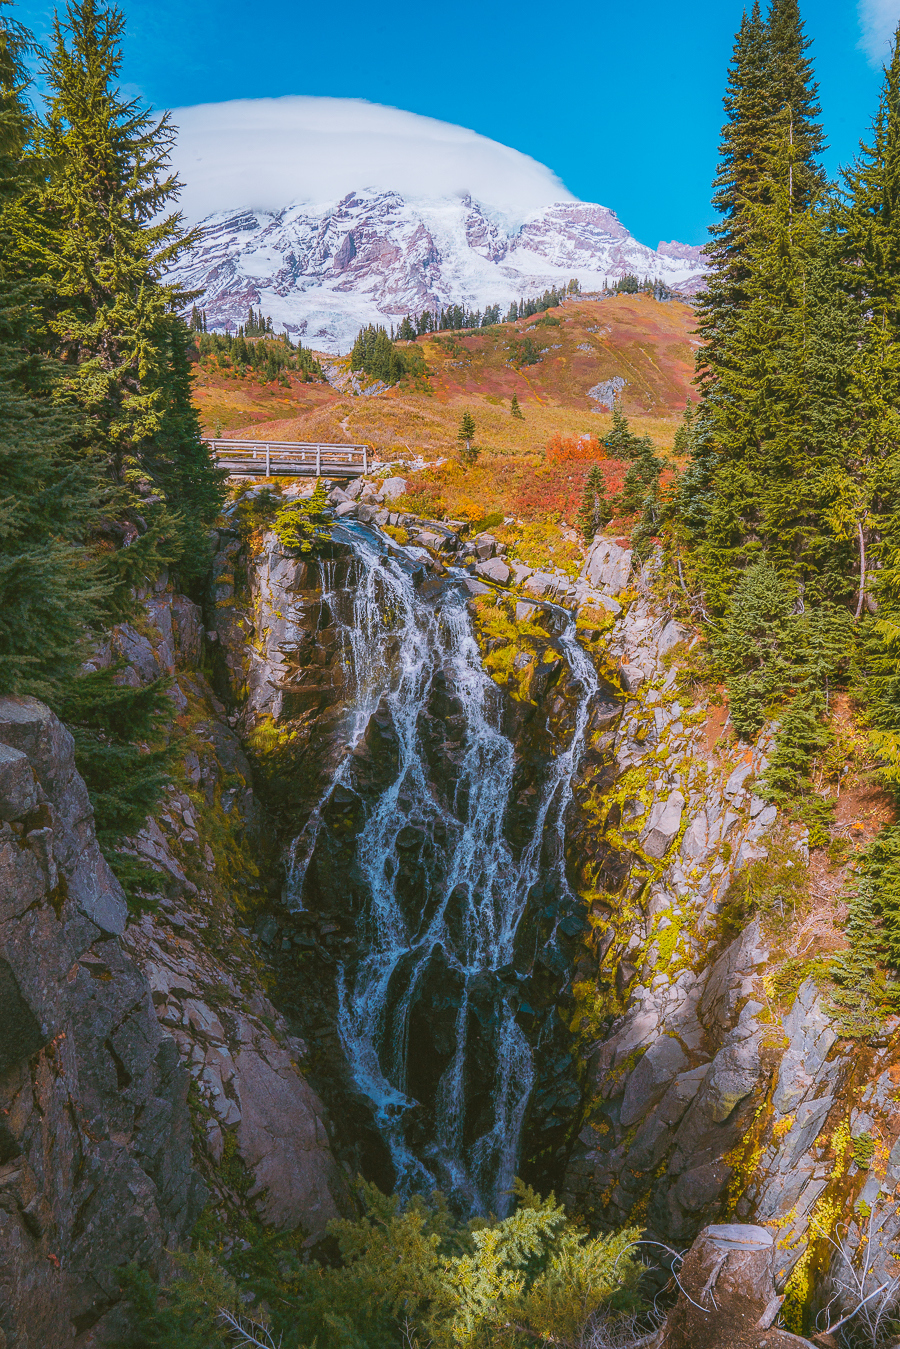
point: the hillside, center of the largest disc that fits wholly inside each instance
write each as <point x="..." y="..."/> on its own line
<point x="322" y="272"/>
<point x="582" y="344"/>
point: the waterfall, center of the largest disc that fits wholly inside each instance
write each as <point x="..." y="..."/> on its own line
<point x="429" y="994"/>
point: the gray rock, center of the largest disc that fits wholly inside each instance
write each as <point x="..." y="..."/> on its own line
<point x="693" y="843"/>
<point x="495" y="570"/>
<point x="672" y="634"/>
<point x="366" y="512"/>
<point x="525" y="611"/>
<point x="392" y="488"/>
<point x="540" y="583"/>
<point x="282" y="1140"/>
<point x="485" y="546"/>
<point x="663" y="825"/>
<point x="632" y="677"/>
<point x="650" y="1078"/>
<point x="346" y="510"/>
<point x="700" y="1187"/>
<point x="95" y="1133"/>
<point x="353" y="490"/>
<point x="733" y="1076"/>
<point x="521" y="572"/>
<point x="476" y="587"/>
<point x="738" y="777"/>
<point x="336" y="497"/>
<point x="608" y="565"/>
<point x="18" y="788"/>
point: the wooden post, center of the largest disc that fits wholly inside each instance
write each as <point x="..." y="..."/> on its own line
<point x="365" y="459"/>
<point x="267" y="462"/>
<point x="318" y="461"/>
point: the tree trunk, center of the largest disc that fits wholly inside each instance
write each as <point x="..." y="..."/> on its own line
<point x="727" y="1293"/>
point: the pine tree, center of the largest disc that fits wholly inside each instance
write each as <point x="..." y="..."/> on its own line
<point x="515" y="410"/>
<point x="51" y="499"/>
<point x="465" y="435"/>
<point x="105" y="245"/>
<point x="595" y="511"/>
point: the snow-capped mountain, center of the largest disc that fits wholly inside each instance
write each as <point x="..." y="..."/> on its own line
<point x="323" y="271"/>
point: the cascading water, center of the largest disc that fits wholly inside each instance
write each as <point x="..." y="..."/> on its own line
<point x="429" y="993"/>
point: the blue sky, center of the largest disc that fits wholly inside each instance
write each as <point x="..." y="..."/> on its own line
<point x="622" y="101"/>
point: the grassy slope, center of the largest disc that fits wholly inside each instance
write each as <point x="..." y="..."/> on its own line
<point x="650" y="344"/>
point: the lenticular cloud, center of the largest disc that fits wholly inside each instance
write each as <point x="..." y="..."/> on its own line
<point x="267" y="153"/>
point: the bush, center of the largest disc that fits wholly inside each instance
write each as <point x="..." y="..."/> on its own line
<point x="300" y="523"/>
<point x="405" y="1271"/>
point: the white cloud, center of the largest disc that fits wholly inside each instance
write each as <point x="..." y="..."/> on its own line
<point x="878" y="20"/>
<point x="268" y="153"/>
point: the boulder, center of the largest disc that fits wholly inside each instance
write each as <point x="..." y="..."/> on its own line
<point x="346" y="510"/>
<point x="18" y="788"/>
<point x="608" y="566"/>
<point x="632" y="677"/>
<point x="476" y="587"/>
<point x="540" y="583"/>
<point x="495" y="570"/>
<point x="485" y="546"/>
<point x="392" y="488"/>
<point x="365" y="513"/>
<point x="525" y="611"/>
<point x="521" y="572"/>
<point x="670" y="637"/>
<point x="354" y="489"/>
<point x="662" y="826"/>
<point x="336" y="496"/>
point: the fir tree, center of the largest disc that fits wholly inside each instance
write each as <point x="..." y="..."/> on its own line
<point x="51" y="499"/>
<point x="465" y="435"/>
<point x="105" y="243"/>
<point x="595" y="511"/>
<point x="515" y="410"/>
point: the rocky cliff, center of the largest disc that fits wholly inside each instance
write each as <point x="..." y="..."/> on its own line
<point x="678" y="1049"/>
<point x="95" y="1132"/>
<point x="692" y="1066"/>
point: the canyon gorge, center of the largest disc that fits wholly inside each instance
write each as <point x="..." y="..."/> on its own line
<point x="447" y="883"/>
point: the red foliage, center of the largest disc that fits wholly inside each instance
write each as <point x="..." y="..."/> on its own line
<point x="574" y="449"/>
<point x="556" y="489"/>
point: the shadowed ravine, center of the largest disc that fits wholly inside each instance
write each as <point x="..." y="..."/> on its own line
<point x="426" y="1015"/>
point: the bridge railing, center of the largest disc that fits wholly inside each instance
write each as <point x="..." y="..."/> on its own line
<point x="290" y="458"/>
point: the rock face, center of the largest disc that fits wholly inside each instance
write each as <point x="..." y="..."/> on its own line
<point x="254" y="1106"/>
<point x="95" y="1134"/>
<point x="608" y="566"/>
<point x="324" y="271"/>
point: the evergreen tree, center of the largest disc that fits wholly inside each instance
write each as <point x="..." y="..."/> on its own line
<point x="466" y="430"/>
<point x="515" y="410"/>
<point x="105" y="243"/>
<point x="770" y="103"/>
<point x="51" y="589"/>
<point x="595" y="511"/>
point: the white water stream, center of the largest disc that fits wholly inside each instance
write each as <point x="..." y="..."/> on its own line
<point x="462" y="931"/>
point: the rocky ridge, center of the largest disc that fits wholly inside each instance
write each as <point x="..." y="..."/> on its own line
<point x="322" y="272"/>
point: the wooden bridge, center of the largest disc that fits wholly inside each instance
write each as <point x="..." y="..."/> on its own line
<point x="289" y="458"/>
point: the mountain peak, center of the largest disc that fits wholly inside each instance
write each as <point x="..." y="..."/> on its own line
<point x="324" y="270"/>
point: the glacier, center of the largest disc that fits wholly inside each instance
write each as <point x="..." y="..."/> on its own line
<point x="322" y="271"/>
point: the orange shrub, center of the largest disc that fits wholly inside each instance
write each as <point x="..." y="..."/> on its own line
<point x="574" y="449"/>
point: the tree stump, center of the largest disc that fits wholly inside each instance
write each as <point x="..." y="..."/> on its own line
<point x="728" y="1294"/>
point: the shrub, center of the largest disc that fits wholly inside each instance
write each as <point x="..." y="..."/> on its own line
<point x="300" y="523"/>
<point x="406" y="1270"/>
